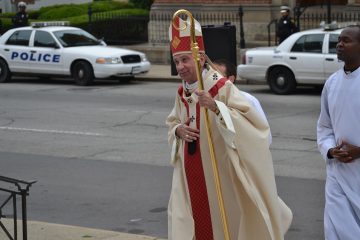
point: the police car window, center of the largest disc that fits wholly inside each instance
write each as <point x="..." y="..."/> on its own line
<point x="333" y="40"/>
<point x="299" y="45"/>
<point x="20" y="38"/>
<point x="43" y="39"/>
<point x="73" y="38"/>
<point x="311" y="43"/>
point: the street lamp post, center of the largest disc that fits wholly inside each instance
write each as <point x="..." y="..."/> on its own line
<point x="297" y="12"/>
<point x="328" y="3"/>
<point x="90" y="14"/>
<point x="242" y="39"/>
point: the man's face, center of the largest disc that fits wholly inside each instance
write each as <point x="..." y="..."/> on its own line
<point x="348" y="46"/>
<point x="222" y="69"/>
<point x="284" y="13"/>
<point x="185" y="66"/>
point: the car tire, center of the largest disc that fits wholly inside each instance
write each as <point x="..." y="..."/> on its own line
<point x="83" y="73"/>
<point x="282" y="81"/>
<point x="5" y="74"/>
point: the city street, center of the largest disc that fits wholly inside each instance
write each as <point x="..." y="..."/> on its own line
<point x="101" y="159"/>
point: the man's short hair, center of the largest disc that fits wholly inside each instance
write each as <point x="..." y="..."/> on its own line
<point x="358" y="29"/>
<point x="230" y="67"/>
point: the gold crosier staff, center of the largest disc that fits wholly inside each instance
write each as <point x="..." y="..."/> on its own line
<point x="196" y="56"/>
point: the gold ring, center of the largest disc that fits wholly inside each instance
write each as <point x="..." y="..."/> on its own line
<point x="186" y="135"/>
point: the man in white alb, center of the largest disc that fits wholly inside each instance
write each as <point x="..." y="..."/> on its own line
<point x="338" y="138"/>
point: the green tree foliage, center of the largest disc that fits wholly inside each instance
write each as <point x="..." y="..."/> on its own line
<point x="63" y="12"/>
<point x="77" y="14"/>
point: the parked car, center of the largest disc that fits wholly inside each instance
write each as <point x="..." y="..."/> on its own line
<point x="47" y="49"/>
<point x="304" y="58"/>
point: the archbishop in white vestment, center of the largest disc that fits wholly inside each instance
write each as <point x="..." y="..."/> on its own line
<point x="241" y="143"/>
<point x="240" y="136"/>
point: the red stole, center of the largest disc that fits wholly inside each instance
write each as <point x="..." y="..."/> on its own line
<point x="195" y="176"/>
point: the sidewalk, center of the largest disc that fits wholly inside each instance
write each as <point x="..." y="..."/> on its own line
<point x="162" y="73"/>
<point x="159" y="73"/>
<point x="50" y="231"/>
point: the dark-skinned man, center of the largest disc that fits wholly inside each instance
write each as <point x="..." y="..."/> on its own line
<point x="338" y="138"/>
<point x="285" y="25"/>
<point x="21" y="17"/>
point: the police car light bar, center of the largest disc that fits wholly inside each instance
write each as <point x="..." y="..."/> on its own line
<point x="329" y="26"/>
<point x="335" y="25"/>
<point x="48" y="24"/>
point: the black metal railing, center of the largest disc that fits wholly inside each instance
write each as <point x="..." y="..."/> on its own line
<point x="13" y="188"/>
<point x="115" y="28"/>
<point x="313" y="19"/>
<point x="272" y="22"/>
<point x="160" y="22"/>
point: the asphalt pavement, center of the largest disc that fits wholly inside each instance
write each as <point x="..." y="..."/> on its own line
<point x="299" y="193"/>
<point x="45" y="231"/>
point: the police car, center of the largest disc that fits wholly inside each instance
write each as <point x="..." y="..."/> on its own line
<point x="304" y="58"/>
<point x="55" y="49"/>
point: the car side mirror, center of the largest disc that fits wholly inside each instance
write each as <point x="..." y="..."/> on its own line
<point x="101" y="41"/>
<point x="56" y="46"/>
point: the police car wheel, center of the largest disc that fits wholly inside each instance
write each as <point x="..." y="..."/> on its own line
<point x="83" y="73"/>
<point x="5" y="73"/>
<point x="281" y="81"/>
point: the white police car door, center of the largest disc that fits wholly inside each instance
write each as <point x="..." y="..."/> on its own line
<point x="307" y="58"/>
<point x="17" y="51"/>
<point x="46" y="57"/>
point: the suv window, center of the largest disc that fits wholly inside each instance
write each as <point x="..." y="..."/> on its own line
<point x="311" y="43"/>
<point x="333" y="40"/>
<point x="20" y="38"/>
<point x="44" y="39"/>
